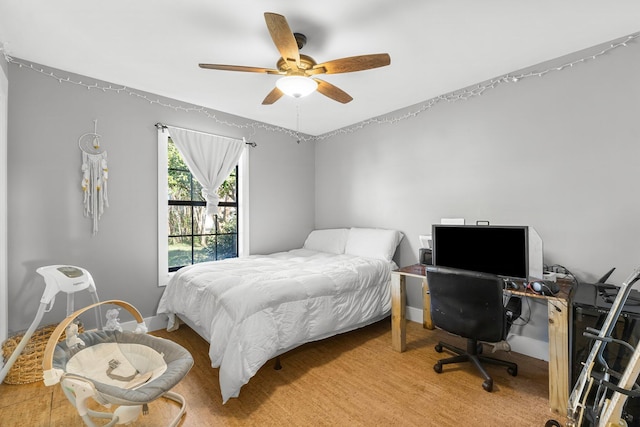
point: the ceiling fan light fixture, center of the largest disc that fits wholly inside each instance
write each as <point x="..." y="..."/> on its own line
<point x="296" y="86"/>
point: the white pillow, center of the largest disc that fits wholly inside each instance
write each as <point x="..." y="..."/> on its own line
<point x="373" y="243"/>
<point x="331" y="240"/>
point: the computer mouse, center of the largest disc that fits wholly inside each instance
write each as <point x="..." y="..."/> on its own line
<point x="545" y="287"/>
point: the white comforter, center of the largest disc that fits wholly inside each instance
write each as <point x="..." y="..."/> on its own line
<point x="255" y="308"/>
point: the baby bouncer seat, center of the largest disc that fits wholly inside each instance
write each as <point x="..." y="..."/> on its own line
<point x="115" y="367"/>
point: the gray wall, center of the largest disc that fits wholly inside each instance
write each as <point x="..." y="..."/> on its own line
<point x="559" y="153"/>
<point x="46" y="222"/>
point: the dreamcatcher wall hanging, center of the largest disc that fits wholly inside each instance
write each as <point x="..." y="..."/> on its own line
<point x="94" y="175"/>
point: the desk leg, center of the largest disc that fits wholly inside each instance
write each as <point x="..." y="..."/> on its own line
<point x="426" y="305"/>
<point x="558" y="356"/>
<point x="398" y="315"/>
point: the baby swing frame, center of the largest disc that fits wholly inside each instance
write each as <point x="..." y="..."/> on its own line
<point x="58" y="278"/>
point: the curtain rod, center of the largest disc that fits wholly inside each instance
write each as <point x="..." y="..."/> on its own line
<point x="163" y="127"/>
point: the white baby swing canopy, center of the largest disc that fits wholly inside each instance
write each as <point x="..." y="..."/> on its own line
<point x="124" y="368"/>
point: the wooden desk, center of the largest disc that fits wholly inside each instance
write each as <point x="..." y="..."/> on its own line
<point x="558" y="309"/>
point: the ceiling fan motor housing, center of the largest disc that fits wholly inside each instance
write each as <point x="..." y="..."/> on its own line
<point x="306" y="63"/>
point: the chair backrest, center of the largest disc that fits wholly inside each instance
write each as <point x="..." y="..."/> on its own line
<point x="467" y="303"/>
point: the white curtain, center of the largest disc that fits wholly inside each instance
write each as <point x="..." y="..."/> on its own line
<point x="210" y="159"/>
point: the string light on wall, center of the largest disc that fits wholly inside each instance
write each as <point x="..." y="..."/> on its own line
<point x="477" y="90"/>
<point x="251" y="126"/>
<point x="458" y="95"/>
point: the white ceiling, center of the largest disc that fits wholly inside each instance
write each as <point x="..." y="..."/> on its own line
<point x="436" y="46"/>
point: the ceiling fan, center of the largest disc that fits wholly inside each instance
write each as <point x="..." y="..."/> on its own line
<point x="299" y="70"/>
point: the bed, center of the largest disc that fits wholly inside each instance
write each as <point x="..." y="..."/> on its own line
<point x="255" y="308"/>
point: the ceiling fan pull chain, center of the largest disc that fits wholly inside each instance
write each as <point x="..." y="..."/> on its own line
<point x="298" y="122"/>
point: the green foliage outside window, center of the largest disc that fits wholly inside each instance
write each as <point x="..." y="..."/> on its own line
<point x="189" y="243"/>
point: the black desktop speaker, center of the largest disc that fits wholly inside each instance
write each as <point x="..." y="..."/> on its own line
<point x="425" y="256"/>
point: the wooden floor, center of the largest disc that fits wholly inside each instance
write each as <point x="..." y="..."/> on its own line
<point x="353" y="379"/>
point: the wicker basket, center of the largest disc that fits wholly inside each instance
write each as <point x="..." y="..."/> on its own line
<point x="28" y="366"/>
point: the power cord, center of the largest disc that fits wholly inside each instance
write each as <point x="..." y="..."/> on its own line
<point x="560" y="269"/>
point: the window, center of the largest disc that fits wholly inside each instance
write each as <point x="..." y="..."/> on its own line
<point x="189" y="241"/>
<point x="182" y="236"/>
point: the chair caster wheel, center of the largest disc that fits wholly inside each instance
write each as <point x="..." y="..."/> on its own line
<point x="438" y="367"/>
<point x="488" y="385"/>
<point x="552" y="423"/>
<point x="513" y="371"/>
<point x="438" y="348"/>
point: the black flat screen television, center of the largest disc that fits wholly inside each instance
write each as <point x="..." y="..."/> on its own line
<point x="495" y="249"/>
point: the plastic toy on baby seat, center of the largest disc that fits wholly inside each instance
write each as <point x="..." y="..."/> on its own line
<point x="113" y="322"/>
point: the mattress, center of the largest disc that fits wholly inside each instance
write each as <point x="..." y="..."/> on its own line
<point x="254" y="308"/>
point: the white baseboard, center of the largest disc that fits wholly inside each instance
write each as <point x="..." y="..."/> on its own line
<point x="414" y="314"/>
<point x="519" y="344"/>
<point x="529" y="346"/>
<point x="153" y="323"/>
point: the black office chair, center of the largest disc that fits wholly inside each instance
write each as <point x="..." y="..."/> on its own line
<point x="471" y="305"/>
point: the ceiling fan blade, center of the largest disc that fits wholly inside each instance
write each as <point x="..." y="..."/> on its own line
<point x="283" y="38"/>
<point x="239" y="68"/>
<point x="333" y="92"/>
<point x="353" y="63"/>
<point x="273" y="96"/>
